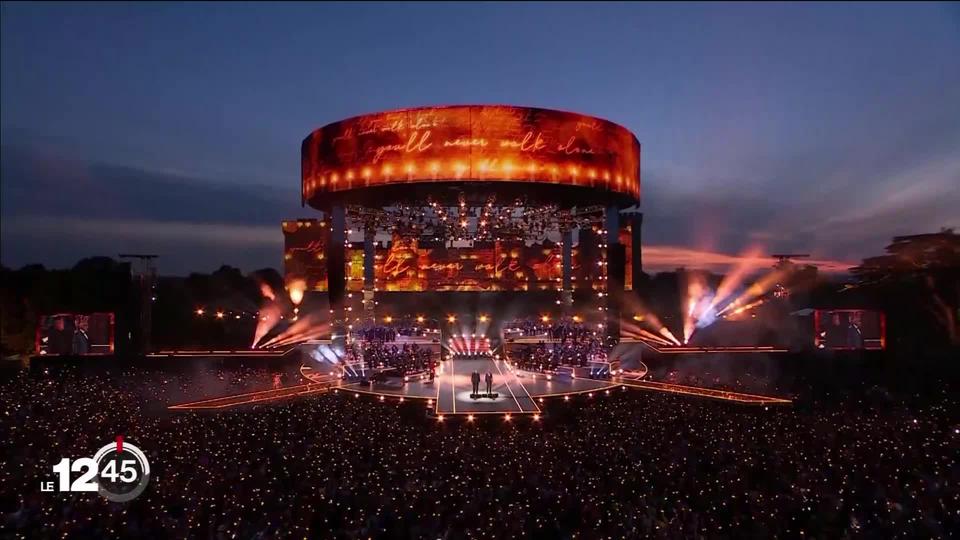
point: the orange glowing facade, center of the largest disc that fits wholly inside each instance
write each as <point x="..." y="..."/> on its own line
<point x="470" y="144"/>
<point x="498" y="266"/>
<point x="303" y="253"/>
<point x="404" y="265"/>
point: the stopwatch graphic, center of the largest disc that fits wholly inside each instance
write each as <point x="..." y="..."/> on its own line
<point x="123" y="471"/>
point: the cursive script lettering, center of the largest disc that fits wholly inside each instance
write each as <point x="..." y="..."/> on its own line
<point x="588" y="124"/>
<point x="534" y="145"/>
<point x="395" y="266"/>
<point x="454" y="267"/>
<point x="418" y="142"/>
<point x="312" y="246"/>
<point x="465" y="142"/>
<point x="569" y="148"/>
<point x="502" y="265"/>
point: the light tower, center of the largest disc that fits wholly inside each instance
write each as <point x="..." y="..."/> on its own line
<point x="145" y="276"/>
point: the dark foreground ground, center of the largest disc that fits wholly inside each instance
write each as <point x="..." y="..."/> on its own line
<point x="857" y="462"/>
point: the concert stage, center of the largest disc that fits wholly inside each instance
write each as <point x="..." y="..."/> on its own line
<point x="453" y="392"/>
<point x="450" y="227"/>
<point x="518" y="392"/>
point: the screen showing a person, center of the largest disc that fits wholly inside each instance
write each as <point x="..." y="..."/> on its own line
<point x="75" y="334"/>
<point x="845" y="329"/>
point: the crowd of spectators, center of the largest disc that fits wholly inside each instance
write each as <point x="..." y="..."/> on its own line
<point x="563" y="329"/>
<point x="390" y="332"/>
<point x="549" y="356"/>
<point x="544" y="357"/>
<point x="570" y="343"/>
<point x="377" y="347"/>
<point x="528" y="326"/>
<point x="375" y="333"/>
<point x="402" y="359"/>
<point x="625" y="465"/>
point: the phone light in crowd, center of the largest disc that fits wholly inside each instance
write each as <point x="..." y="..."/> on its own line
<point x="536" y="418"/>
<point x="440" y="418"/>
<point x="451" y="319"/>
<point x="484" y="318"/>
<point x="507" y="417"/>
<point x="199" y="311"/>
<point x="469" y="418"/>
<point x="420" y="319"/>
<point x="219" y="314"/>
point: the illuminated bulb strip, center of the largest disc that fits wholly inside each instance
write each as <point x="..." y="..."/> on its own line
<point x="255" y="397"/>
<point x="707" y="392"/>
<point x="458" y="169"/>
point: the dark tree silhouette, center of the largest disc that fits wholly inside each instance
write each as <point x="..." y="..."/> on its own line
<point x="96" y="264"/>
<point x="98" y="284"/>
<point x="919" y="281"/>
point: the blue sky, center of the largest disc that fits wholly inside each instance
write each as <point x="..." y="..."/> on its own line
<point x="175" y="128"/>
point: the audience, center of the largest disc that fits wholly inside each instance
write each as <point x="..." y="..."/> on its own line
<point x="408" y="358"/>
<point x="563" y="329"/>
<point x="629" y="464"/>
<point x="389" y="332"/>
<point x="374" y="333"/>
<point x="571" y="344"/>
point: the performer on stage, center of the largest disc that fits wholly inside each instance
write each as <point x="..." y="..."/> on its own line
<point x="489" y="379"/>
<point x="475" y="379"/>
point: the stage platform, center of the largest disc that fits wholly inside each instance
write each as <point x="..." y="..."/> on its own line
<point x="519" y="392"/>
<point x="241" y="353"/>
<point x="678" y="349"/>
<point x="540" y="385"/>
<point x="455" y="387"/>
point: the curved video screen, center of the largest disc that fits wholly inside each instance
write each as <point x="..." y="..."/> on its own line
<point x="481" y="143"/>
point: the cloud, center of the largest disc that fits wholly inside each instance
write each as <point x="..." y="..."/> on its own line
<point x="838" y="219"/>
<point x="128" y="231"/>
<point x="660" y="258"/>
<point x="837" y="185"/>
<point x="57" y="211"/>
<point x="40" y="182"/>
<point x="183" y="247"/>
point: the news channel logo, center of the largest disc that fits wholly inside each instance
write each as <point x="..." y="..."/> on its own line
<point x="118" y="472"/>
